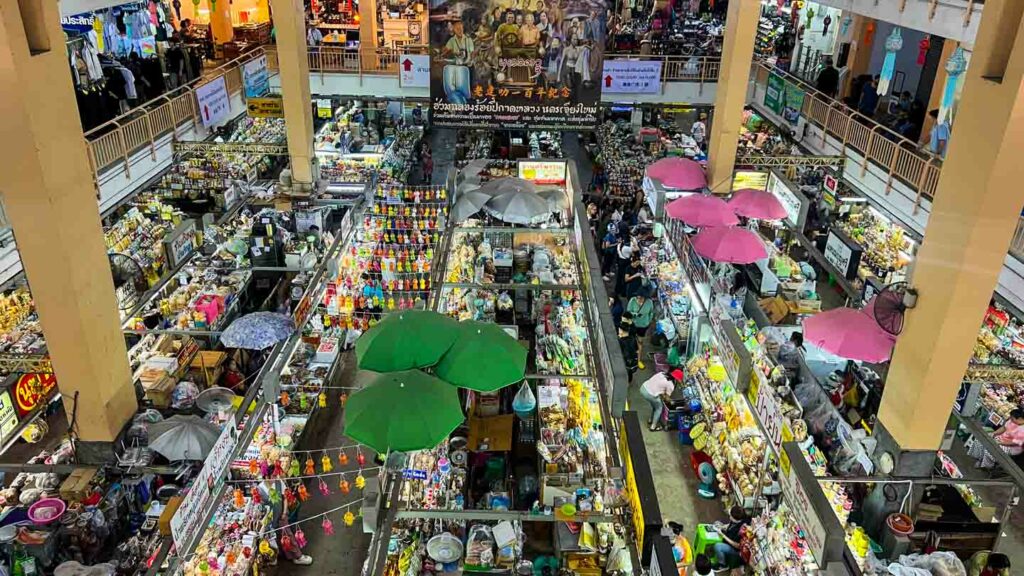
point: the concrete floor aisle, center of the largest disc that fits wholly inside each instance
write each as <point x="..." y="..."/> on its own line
<point x="344" y="553"/>
<point x="674" y="480"/>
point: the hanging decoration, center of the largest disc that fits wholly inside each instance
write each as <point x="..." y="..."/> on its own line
<point x="360" y="481"/>
<point x="343" y="458"/>
<point x="922" y="50"/>
<point x="328" y="526"/>
<point x="955" y="67"/>
<point x="289" y="497"/>
<point x="360" y="458"/>
<point x="844" y="26"/>
<point x="285" y="399"/>
<point x="239" y="499"/>
<point x="349" y="518"/>
<point x="322" y="400"/>
<point x="326" y="463"/>
<point x="255" y="495"/>
<point x="325" y="490"/>
<point x="810" y="16"/>
<point x="309" y="470"/>
<point x="344" y="486"/>
<point x="300" y="538"/>
<point x="869" y="33"/>
<point x="274" y="496"/>
<point x="254" y="467"/>
<point x="893" y="44"/>
<point x="293" y="468"/>
<point x="825" y="24"/>
<point x="303" y="493"/>
<point x="778" y="7"/>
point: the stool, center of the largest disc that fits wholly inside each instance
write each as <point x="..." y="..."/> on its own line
<point x="707" y="537"/>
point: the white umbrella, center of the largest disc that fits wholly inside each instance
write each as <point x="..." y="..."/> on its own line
<point x="519" y="207"/>
<point x="468" y="204"/>
<point x="505" y="185"/>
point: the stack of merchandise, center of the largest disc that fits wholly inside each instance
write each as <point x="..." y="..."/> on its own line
<point x="571" y="435"/>
<point x="886" y="246"/>
<point x="623" y="158"/>
<point x="561" y="336"/>
<point x="545" y="145"/>
<point x="22" y="333"/>
<point x="201" y="301"/>
<point x="141" y="237"/>
<point x="388" y="266"/>
<point x="337" y="170"/>
<point x="398" y="158"/>
<point x="999" y="359"/>
<point x="774" y="544"/>
<point x="444" y="484"/>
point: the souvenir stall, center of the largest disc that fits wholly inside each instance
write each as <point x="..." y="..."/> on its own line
<point x="773" y="544"/>
<point x="623" y="158"/>
<point x="886" y="249"/>
<point x="213" y="181"/>
<point x="19" y="324"/>
<point x="475" y="145"/>
<point x="204" y="298"/>
<point x="268" y="238"/>
<point x="400" y="156"/>
<point x="545" y="145"/>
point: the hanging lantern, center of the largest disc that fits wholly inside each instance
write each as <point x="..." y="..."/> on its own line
<point x="844" y="26"/>
<point x="264" y="468"/>
<point x="344" y="486"/>
<point x="328" y="526"/>
<point x="893" y="44"/>
<point x="309" y="470"/>
<point x="325" y="463"/>
<point x="360" y="481"/>
<point x="255" y="495"/>
<point x="343" y="458"/>
<point x="322" y="400"/>
<point x="303" y="493"/>
<point x="955" y="67"/>
<point x="293" y="468"/>
<point x="289" y="497"/>
<point x="360" y="457"/>
<point x="343" y="398"/>
<point x="303" y="402"/>
<point x="869" y="33"/>
<point x="278" y="470"/>
<point x="922" y="50"/>
<point x="300" y="538"/>
<point x="349" y="518"/>
<point x="324" y="489"/>
<point x="239" y="499"/>
<point x="265" y="548"/>
<point x="274" y="496"/>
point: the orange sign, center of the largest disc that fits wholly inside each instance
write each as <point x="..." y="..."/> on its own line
<point x="31" y="390"/>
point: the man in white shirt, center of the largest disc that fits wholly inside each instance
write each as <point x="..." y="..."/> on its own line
<point x="699" y="130"/>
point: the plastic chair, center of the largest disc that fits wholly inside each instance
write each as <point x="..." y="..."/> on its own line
<point x="707" y="537"/>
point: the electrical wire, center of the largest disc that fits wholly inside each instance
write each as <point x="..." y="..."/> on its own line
<point x="324" y="474"/>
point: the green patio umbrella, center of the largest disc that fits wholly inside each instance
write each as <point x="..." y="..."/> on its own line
<point x="484" y="358"/>
<point x="403" y="411"/>
<point x="406" y="339"/>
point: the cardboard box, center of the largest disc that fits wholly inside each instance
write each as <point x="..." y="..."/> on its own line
<point x="158" y="391"/>
<point x="164" y="524"/>
<point x="77" y="486"/>
<point x="775" y="308"/>
<point x="207" y="366"/>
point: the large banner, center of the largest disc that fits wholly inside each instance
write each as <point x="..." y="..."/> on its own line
<point x="517" y="63"/>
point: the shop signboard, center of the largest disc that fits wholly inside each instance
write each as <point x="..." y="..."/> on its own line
<point x="831" y="184"/>
<point x="843" y="253"/>
<point x="256" y="77"/>
<point x="214" y="102"/>
<point x="8" y="416"/>
<point x="632" y="76"/>
<point x="766" y="407"/>
<point x="754" y="179"/>
<point x="414" y="71"/>
<point x="79" y="23"/>
<point x="791" y="199"/>
<point x="180" y="243"/>
<point x="510" y="81"/>
<point x="30" y="391"/>
<point x="542" y="172"/>
<point x="811" y="509"/>
<point x="185" y="524"/>
<point x="266" y="107"/>
<point x="773" y="93"/>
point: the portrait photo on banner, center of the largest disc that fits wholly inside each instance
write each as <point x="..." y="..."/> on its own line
<point x="517" y="63"/>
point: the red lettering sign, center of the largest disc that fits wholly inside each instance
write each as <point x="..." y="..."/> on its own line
<point x="31" y="390"/>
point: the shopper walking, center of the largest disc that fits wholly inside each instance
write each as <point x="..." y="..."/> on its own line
<point x="634" y="276"/>
<point x="624" y="255"/>
<point x="642" y="309"/>
<point x="657" y="391"/>
<point x="699" y="131"/>
<point x="608" y="245"/>
<point x="828" y="79"/>
<point x="630" y="349"/>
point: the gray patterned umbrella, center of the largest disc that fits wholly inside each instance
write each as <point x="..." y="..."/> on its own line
<point x="469" y="203"/>
<point x="258" y="331"/>
<point x="183" y="438"/>
<point x="519" y="207"/>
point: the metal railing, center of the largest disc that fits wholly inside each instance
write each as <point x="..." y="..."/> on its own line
<point x="899" y="157"/>
<point x="115" y="141"/>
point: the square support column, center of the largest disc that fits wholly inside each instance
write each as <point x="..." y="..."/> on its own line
<point x="293" y="68"/>
<point x="50" y="197"/>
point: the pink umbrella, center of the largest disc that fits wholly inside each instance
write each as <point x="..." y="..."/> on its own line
<point x="849" y="333"/>
<point x="699" y="211"/>
<point x="759" y="204"/>
<point x="678" y="173"/>
<point x="727" y="244"/>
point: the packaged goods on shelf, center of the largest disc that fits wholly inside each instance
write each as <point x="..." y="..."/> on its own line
<point x="442" y="484"/>
<point x="887" y="247"/>
<point x="19" y="324"/>
<point x="774" y="545"/>
<point x="140" y="234"/>
<point x="561" y="334"/>
<point x="474" y="303"/>
<point x="344" y="170"/>
<point x="268" y="238"/>
<point x="232" y="542"/>
<point x="396" y="166"/>
<point x="545" y="145"/>
<point x="505" y="257"/>
<point x="624" y="159"/>
<point x="571" y="431"/>
<point x="203" y="299"/>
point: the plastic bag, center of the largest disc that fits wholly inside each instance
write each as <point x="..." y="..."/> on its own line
<point x="524" y="402"/>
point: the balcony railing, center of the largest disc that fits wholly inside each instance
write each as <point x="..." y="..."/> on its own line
<point x="901" y="158"/>
<point x="384" y="62"/>
<point x="117" y="140"/>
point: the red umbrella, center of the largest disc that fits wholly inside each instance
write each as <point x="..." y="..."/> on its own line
<point x="699" y="211"/>
<point x="728" y="244"/>
<point x="849" y="333"/>
<point x="753" y="203"/>
<point x="678" y="173"/>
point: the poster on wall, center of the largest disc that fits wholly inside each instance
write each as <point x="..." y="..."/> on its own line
<point x="793" y="103"/>
<point x="519" y="64"/>
<point x="213" y="100"/>
<point x="774" y="89"/>
<point x="255" y="77"/>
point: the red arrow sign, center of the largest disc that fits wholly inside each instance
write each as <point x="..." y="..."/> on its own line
<point x="608" y="81"/>
<point x="407" y="64"/>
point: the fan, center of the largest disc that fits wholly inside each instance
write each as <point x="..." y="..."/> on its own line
<point x="129" y="280"/>
<point x="891" y="305"/>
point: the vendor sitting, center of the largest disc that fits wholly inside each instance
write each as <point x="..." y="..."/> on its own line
<point x="727" y="552"/>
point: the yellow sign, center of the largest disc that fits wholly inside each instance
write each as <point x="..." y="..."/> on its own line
<point x="749" y="179"/>
<point x="264" y="107"/>
<point x="632" y="494"/>
<point x="784" y="465"/>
